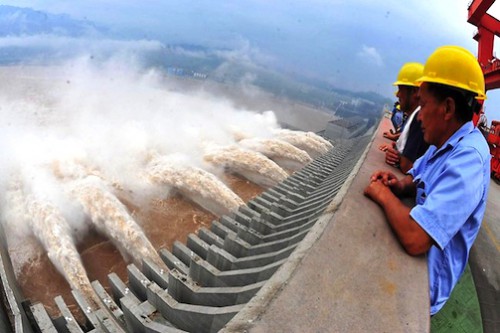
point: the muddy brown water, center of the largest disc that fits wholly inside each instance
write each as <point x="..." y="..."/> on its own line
<point x="163" y="221"/>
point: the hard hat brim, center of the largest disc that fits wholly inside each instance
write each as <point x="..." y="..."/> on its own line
<point x="452" y="84"/>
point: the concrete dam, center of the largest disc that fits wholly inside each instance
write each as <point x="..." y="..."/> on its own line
<point x="201" y="285"/>
<point x="271" y="234"/>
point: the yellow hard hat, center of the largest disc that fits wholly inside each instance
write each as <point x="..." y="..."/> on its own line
<point x="409" y="73"/>
<point x="456" y="67"/>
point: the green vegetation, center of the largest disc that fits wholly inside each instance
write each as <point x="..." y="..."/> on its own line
<point x="461" y="313"/>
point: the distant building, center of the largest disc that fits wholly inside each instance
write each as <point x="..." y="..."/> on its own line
<point x="345" y="128"/>
<point x="175" y="71"/>
<point x="199" y="75"/>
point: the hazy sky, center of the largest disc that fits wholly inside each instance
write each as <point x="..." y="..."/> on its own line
<point x="358" y="44"/>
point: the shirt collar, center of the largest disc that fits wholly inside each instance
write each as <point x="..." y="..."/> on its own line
<point x="456" y="137"/>
<point x="413" y="114"/>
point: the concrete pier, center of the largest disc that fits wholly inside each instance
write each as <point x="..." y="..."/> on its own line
<point x="311" y="254"/>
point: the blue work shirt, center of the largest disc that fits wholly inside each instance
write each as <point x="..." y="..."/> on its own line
<point x="397" y="119"/>
<point x="452" y="187"/>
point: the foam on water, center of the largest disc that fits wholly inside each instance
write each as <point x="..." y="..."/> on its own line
<point x="249" y="164"/>
<point x="312" y="143"/>
<point x="52" y="230"/>
<point x="283" y="153"/>
<point x="195" y="184"/>
<point x="111" y="218"/>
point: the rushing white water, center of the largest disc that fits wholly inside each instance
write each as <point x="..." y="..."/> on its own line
<point x="283" y="153"/>
<point x="98" y="140"/>
<point x="68" y="170"/>
<point x="249" y="164"/>
<point x="111" y="218"/>
<point x="312" y="143"/>
<point x="319" y="138"/>
<point x="52" y="230"/>
<point x="195" y="184"/>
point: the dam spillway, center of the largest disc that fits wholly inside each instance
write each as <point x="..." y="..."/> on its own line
<point x="218" y="270"/>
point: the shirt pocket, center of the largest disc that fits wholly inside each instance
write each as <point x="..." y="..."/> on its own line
<point x="421" y="194"/>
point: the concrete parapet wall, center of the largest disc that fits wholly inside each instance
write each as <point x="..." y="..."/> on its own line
<point x="348" y="275"/>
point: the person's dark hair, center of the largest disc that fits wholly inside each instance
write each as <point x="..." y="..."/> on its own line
<point x="410" y="89"/>
<point x="465" y="102"/>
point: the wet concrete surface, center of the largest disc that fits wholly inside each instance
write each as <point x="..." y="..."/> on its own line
<point x="163" y="221"/>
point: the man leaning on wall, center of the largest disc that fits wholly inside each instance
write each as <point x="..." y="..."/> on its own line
<point x="410" y="145"/>
<point x="450" y="181"/>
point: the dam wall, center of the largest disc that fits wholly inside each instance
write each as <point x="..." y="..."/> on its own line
<point x="309" y="254"/>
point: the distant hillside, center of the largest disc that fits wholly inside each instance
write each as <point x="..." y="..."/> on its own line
<point x="47" y="43"/>
<point x="369" y="95"/>
<point x="15" y="21"/>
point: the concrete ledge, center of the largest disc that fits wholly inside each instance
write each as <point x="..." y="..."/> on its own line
<point x="185" y="290"/>
<point x="139" y="317"/>
<point x="193" y="318"/>
<point x="70" y="323"/>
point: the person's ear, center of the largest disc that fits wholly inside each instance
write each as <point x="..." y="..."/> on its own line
<point x="449" y="108"/>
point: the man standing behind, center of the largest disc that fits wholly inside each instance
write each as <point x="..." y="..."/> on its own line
<point x="410" y="144"/>
<point x="450" y="181"/>
<point x="397" y="118"/>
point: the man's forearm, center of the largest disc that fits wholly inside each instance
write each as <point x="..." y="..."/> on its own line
<point x="405" y="164"/>
<point x="407" y="187"/>
<point x="413" y="238"/>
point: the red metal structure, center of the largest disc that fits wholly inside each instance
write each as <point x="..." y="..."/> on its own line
<point x="494" y="143"/>
<point x="487" y="28"/>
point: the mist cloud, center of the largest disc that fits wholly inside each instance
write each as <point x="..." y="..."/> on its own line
<point x="370" y="55"/>
<point x="111" y="117"/>
<point x="50" y="48"/>
<point x="78" y="44"/>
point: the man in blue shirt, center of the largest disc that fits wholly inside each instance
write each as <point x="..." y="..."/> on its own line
<point x="397" y="117"/>
<point x="450" y="181"/>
